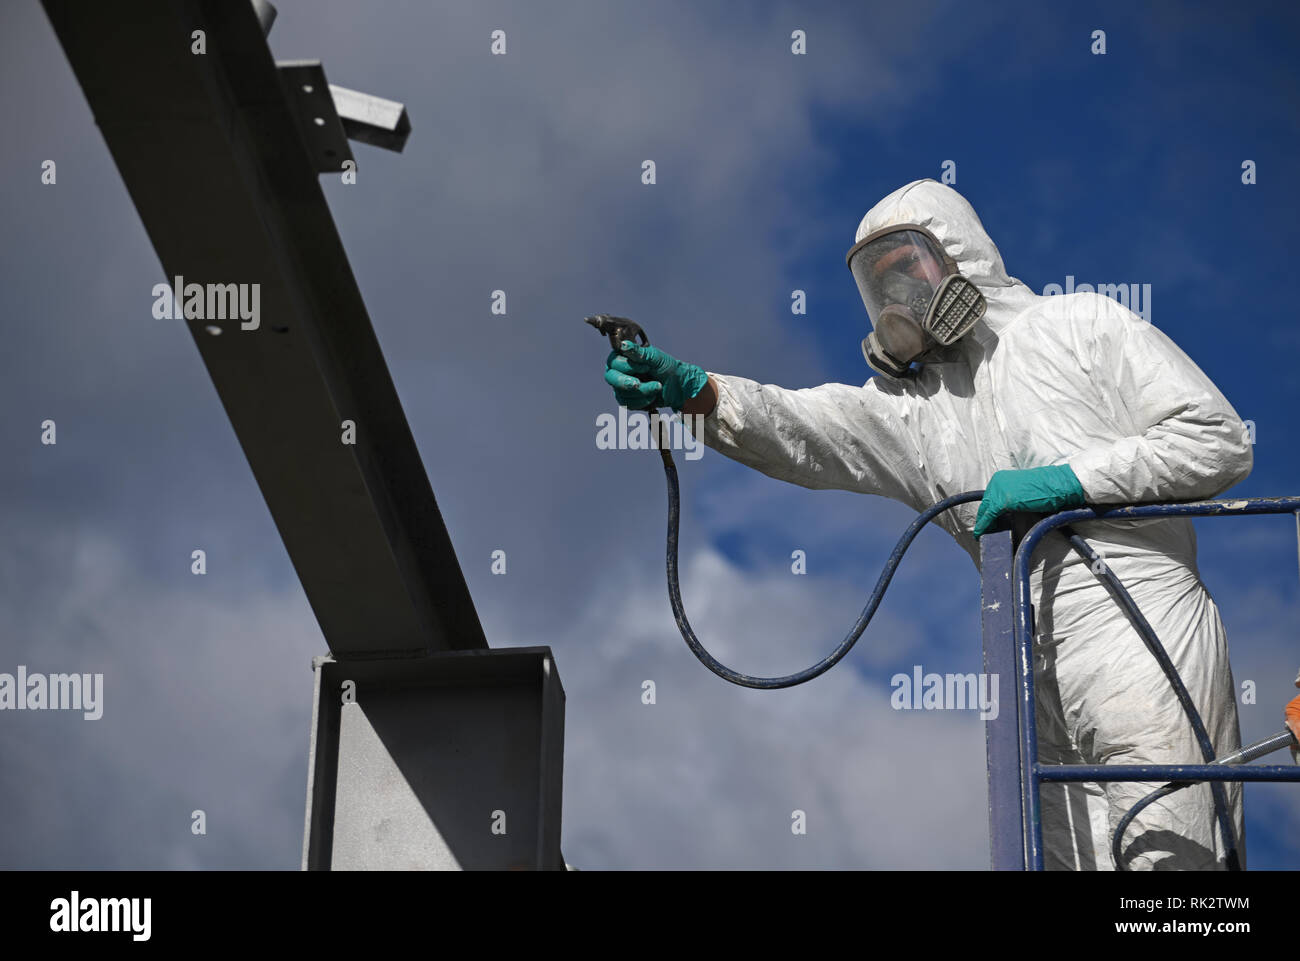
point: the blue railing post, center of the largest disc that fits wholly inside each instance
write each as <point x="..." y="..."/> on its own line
<point x="1002" y="733"/>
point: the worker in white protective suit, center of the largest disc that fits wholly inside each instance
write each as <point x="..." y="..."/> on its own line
<point x="1048" y="403"/>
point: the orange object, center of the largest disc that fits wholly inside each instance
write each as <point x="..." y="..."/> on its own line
<point x="1292" y="714"/>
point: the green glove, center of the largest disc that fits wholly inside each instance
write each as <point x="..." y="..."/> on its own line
<point x="1043" y="490"/>
<point x="648" y="377"/>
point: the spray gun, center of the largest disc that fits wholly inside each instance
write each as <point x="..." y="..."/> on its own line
<point x="618" y="329"/>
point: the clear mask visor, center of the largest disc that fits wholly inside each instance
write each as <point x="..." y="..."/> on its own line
<point x="902" y="267"/>
<point x="914" y="294"/>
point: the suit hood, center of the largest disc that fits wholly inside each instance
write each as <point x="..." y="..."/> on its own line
<point x="953" y="221"/>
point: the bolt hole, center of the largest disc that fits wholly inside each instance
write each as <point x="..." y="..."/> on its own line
<point x="320" y="121"/>
<point x="330" y="153"/>
<point x="280" y="328"/>
<point x="213" y="329"/>
<point x="306" y="88"/>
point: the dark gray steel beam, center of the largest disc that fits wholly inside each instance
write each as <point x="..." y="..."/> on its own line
<point x="319" y="122"/>
<point x="211" y="153"/>
<point x="452" y="761"/>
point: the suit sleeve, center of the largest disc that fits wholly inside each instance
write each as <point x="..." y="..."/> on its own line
<point x="835" y="436"/>
<point x="1185" y="441"/>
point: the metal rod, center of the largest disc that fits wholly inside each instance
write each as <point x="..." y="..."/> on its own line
<point x="1250" y="752"/>
<point x="1166" y="772"/>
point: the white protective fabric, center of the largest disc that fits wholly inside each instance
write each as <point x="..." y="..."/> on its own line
<point x="1040" y="380"/>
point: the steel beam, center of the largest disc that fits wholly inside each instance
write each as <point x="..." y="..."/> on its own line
<point x="210" y="149"/>
<point x="452" y="761"/>
<point x="319" y="122"/>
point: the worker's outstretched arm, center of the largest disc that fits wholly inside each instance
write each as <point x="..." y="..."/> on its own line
<point x="835" y="436"/>
<point x="832" y="436"/>
<point x="1186" y="441"/>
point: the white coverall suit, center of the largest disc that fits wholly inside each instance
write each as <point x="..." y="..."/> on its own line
<point x="1074" y="379"/>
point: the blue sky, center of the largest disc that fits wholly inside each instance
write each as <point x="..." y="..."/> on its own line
<point x="523" y="173"/>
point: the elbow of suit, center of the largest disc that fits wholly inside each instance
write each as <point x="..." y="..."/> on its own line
<point x="1231" y="452"/>
<point x="1243" y="464"/>
<point x="1199" y="457"/>
<point x="1243" y="459"/>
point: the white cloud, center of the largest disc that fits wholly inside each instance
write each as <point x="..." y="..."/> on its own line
<point x="709" y="775"/>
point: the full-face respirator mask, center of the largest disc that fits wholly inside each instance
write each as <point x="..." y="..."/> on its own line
<point x="914" y="295"/>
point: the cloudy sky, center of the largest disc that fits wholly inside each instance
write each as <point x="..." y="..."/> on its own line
<point x="522" y="173"/>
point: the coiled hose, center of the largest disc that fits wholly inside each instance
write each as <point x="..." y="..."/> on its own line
<point x="821" y="667"/>
<point x="1104" y="574"/>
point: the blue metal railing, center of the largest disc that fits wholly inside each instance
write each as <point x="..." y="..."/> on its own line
<point x="1015" y="775"/>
